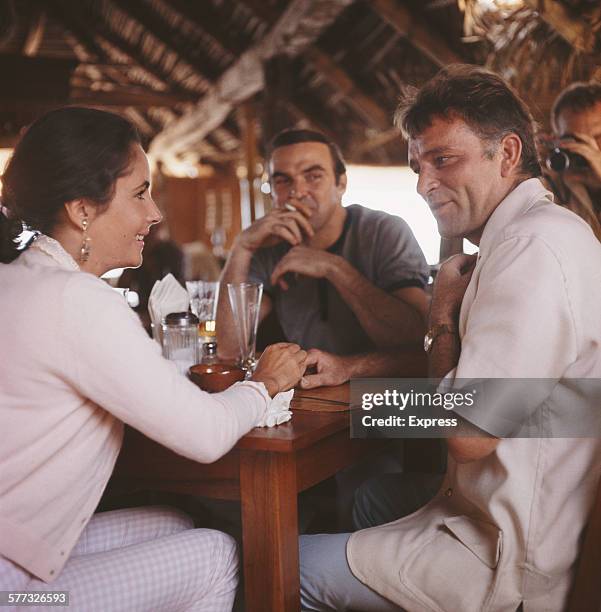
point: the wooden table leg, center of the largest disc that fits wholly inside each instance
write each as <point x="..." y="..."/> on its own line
<point x="270" y="531"/>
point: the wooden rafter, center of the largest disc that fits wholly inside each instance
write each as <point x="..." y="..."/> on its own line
<point x="262" y="11"/>
<point x="577" y="32"/>
<point x="77" y="29"/>
<point x="297" y="28"/>
<point x="416" y="30"/>
<point x="371" y="112"/>
<point x="131" y="96"/>
<point x="281" y="108"/>
<point x="296" y="107"/>
<point x="170" y="38"/>
<point x="375" y="142"/>
<point x="208" y="18"/>
<point x="76" y="24"/>
<point x="35" y="34"/>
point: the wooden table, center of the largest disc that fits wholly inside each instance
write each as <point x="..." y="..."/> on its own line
<point x="265" y="470"/>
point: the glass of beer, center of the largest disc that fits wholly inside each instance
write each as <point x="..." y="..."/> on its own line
<point x="204" y="296"/>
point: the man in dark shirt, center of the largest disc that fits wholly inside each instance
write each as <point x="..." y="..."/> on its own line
<point x="347" y="283"/>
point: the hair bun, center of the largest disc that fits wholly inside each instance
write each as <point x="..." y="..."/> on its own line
<point x="10" y="230"/>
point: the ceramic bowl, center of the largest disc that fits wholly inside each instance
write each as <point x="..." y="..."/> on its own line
<point x="215" y="377"/>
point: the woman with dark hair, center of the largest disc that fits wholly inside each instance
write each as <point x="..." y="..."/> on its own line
<point x="78" y="365"/>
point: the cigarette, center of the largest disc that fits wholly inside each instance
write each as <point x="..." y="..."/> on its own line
<point x="289" y="206"/>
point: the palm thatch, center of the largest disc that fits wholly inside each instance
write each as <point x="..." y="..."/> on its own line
<point x="534" y="55"/>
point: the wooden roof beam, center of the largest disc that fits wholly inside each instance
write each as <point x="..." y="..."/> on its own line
<point x="299" y="25"/>
<point x="362" y="103"/>
<point x="369" y="109"/>
<point x="210" y="20"/>
<point x="74" y="22"/>
<point x="305" y="115"/>
<point x="137" y="97"/>
<point x="377" y="141"/>
<point x="35" y="33"/>
<point x="170" y="38"/>
<point x="577" y="32"/>
<point x="77" y="29"/>
<point x="416" y="30"/>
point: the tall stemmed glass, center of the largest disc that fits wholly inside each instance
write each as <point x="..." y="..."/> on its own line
<point x="245" y="299"/>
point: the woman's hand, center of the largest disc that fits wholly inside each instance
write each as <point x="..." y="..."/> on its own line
<point x="280" y="367"/>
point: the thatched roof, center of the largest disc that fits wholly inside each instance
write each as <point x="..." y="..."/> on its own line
<point x="198" y="76"/>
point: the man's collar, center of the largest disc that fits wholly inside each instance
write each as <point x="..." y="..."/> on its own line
<point x="336" y="248"/>
<point x="516" y="203"/>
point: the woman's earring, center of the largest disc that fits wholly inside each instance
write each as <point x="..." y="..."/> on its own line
<point x="84" y="252"/>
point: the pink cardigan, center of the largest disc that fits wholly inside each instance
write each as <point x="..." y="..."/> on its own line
<point x="76" y="365"/>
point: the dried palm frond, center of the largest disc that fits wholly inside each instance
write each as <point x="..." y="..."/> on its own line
<point x="528" y="52"/>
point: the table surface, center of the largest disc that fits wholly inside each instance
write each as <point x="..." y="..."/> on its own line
<point x="266" y="470"/>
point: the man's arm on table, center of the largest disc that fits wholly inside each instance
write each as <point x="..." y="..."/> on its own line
<point x="389" y="319"/>
<point x="449" y="289"/>
<point x="332" y="370"/>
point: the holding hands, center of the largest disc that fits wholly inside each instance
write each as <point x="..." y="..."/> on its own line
<point x="330" y="370"/>
<point x="280" y="367"/>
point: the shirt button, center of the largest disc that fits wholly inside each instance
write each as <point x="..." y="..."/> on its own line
<point x="62" y="553"/>
<point x="449" y="492"/>
<point x="52" y="572"/>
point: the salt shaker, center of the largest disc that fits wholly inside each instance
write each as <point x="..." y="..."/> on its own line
<point x="180" y="339"/>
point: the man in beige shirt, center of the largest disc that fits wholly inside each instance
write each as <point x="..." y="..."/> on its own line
<point x="505" y="528"/>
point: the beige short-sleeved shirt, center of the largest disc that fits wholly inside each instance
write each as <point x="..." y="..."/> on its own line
<point x="507" y="528"/>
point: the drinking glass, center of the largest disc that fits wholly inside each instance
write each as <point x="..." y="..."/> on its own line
<point x="204" y="296"/>
<point x="245" y="299"/>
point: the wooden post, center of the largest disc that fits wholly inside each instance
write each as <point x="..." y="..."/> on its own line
<point x="249" y="138"/>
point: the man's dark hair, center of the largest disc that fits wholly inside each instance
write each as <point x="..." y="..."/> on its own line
<point x="487" y="104"/>
<point x="576" y="97"/>
<point x="292" y="136"/>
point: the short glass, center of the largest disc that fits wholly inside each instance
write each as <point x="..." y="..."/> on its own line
<point x="204" y="296"/>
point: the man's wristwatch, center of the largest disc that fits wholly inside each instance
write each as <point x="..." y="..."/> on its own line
<point x="435" y="331"/>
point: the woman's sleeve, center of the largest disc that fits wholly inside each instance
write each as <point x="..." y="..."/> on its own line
<point x="108" y="357"/>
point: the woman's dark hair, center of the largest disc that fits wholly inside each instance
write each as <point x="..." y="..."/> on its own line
<point x="487" y="104"/>
<point x="67" y="154"/>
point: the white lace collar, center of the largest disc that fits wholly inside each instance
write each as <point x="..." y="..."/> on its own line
<point x="54" y="249"/>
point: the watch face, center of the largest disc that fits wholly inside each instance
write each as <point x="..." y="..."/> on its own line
<point x="428" y="342"/>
